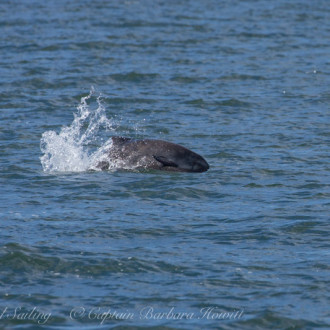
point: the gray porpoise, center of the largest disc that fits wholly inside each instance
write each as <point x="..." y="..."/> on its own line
<point x="126" y="153"/>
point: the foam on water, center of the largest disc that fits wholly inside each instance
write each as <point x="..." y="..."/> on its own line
<point x="81" y="145"/>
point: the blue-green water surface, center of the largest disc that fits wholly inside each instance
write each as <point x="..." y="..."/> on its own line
<point x="246" y="84"/>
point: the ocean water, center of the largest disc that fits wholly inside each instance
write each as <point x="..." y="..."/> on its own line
<point x="245" y="245"/>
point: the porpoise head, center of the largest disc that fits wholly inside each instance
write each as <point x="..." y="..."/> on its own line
<point x="177" y="158"/>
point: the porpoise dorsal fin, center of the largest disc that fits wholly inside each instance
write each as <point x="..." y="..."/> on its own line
<point x="165" y="161"/>
<point x="120" y="140"/>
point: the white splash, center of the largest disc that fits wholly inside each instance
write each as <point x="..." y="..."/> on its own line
<point x="77" y="147"/>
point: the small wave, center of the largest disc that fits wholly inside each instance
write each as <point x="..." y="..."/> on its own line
<point x="22" y="260"/>
<point x="242" y="77"/>
<point x="77" y="147"/>
<point x="134" y="77"/>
